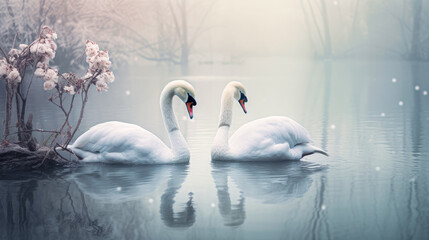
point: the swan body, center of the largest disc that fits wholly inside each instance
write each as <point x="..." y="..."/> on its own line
<point x="267" y="139"/>
<point x="118" y="142"/>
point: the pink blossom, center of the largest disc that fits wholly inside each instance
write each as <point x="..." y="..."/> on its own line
<point x="107" y="77"/>
<point x="33" y="48"/>
<point x="50" y="53"/>
<point x="101" y="86"/>
<point x="51" y="44"/>
<point x="97" y="60"/>
<point x="22" y="46"/>
<point x="104" y="54"/>
<point x="41" y="48"/>
<point x="39" y="72"/>
<point x="44" y="47"/>
<point x="69" y="89"/>
<point x="91" y="48"/>
<point x="88" y="75"/>
<point x="47" y="32"/>
<point x="4" y="68"/>
<point x="111" y="76"/>
<point x="41" y="65"/>
<point x="48" y="85"/>
<point x="14" y="51"/>
<point x="99" y="63"/>
<point x="16" y="80"/>
<point x="13" y="74"/>
<point x="90" y="60"/>
<point x="51" y="75"/>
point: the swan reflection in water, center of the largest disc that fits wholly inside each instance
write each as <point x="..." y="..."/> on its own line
<point x="120" y="183"/>
<point x="268" y="182"/>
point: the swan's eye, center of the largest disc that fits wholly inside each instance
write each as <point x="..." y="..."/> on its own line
<point x="189" y="104"/>
<point x="243" y="99"/>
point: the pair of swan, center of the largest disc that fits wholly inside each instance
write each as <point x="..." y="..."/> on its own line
<point x="266" y="139"/>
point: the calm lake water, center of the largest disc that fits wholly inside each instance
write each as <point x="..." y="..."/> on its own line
<point x="374" y="184"/>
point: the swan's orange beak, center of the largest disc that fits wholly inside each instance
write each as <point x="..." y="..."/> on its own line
<point x="242" y="101"/>
<point x="189" y="104"/>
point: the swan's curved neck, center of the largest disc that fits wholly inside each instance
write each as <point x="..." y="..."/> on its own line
<point x="178" y="142"/>
<point x="227" y="101"/>
<point x="225" y="119"/>
<point x="170" y="121"/>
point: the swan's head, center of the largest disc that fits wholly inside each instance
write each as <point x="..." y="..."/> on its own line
<point x="186" y="93"/>
<point x="239" y="94"/>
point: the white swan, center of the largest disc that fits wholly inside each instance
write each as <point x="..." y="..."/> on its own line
<point x="266" y="139"/>
<point x="129" y="143"/>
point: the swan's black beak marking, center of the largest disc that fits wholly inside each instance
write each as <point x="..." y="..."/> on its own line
<point x="189" y="104"/>
<point x="243" y="99"/>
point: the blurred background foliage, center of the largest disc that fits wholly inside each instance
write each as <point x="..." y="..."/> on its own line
<point x="180" y="33"/>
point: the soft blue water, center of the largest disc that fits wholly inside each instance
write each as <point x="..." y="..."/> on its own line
<point x="374" y="185"/>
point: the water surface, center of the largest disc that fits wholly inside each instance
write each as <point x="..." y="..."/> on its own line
<point x="374" y="185"/>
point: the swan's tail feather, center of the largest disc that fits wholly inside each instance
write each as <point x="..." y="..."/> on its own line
<point x="308" y="149"/>
<point x="321" y="152"/>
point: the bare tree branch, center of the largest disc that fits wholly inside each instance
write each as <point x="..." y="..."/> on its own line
<point x="316" y="24"/>
<point x="179" y="35"/>
<point x="198" y="31"/>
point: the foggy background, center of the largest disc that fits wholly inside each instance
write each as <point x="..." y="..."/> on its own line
<point x="182" y="34"/>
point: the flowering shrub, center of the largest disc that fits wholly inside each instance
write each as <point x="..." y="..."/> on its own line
<point x="99" y="62"/>
<point x="9" y="73"/>
<point x="38" y="55"/>
<point x="98" y="72"/>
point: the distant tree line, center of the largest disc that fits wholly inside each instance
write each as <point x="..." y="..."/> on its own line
<point x="155" y="30"/>
<point x="356" y="27"/>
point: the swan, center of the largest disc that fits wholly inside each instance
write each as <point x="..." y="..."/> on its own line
<point x="267" y="139"/>
<point x="119" y="142"/>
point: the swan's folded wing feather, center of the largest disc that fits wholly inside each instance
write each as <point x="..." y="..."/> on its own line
<point x="266" y="132"/>
<point x="117" y="137"/>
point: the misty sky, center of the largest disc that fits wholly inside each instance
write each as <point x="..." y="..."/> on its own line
<point x="233" y="28"/>
<point x="273" y="27"/>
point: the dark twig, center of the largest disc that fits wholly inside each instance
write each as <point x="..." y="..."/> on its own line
<point x="4" y="54"/>
<point x="34" y="130"/>
<point x="66" y="121"/>
<point x="55" y="150"/>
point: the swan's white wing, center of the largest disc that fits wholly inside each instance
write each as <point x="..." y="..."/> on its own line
<point x="118" y="141"/>
<point x="268" y="136"/>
